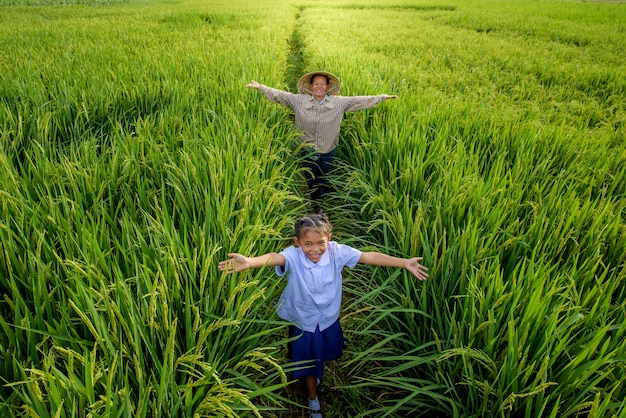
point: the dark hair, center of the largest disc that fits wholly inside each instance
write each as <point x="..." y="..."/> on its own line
<point x="323" y="75"/>
<point x="316" y="221"/>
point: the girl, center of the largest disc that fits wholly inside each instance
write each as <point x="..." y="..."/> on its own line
<point x="311" y="299"/>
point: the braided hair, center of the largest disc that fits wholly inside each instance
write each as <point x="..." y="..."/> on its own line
<point x="318" y="222"/>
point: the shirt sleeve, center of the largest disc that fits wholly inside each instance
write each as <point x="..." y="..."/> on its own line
<point x="346" y="255"/>
<point x="282" y="97"/>
<point x="354" y="103"/>
<point x="290" y="257"/>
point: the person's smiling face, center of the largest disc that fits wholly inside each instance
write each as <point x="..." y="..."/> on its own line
<point x="313" y="243"/>
<point x="319" y="86"/>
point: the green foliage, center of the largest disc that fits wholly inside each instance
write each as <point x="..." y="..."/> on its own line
<point x="502" y="163"/>
<point x="133" y="160"/>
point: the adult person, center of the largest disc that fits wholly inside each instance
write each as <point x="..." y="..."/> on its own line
<point x="318" y="113"/>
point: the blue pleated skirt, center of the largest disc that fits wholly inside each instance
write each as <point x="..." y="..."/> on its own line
<point x="314" y="348"/>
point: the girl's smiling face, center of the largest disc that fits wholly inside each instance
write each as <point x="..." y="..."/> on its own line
<point x="313" y="243"/>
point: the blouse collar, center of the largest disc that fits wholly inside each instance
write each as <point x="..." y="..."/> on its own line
<point x="308" y="263"/>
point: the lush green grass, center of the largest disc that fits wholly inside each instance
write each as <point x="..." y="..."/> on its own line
<point x="125" y="172"/>
<point x="503" y="164"/>
<point x="133" y="160"/>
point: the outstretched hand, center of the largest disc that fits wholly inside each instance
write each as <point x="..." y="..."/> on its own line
<point x="387" y="96"/>
<point x="418" y="270"/>
<point x="254" y="84"/>
<point x="235" y="263"/>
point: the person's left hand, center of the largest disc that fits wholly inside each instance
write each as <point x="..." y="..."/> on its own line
<point x="413" y="265"/>
<point x="387" y="96"/>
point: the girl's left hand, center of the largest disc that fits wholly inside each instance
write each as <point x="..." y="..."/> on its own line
<point x="418" y="270"/>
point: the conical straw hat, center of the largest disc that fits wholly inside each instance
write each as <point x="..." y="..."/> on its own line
<point x="304" y="84"/>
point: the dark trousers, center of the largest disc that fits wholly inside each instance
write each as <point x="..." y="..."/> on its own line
<point x="318" y="166"/>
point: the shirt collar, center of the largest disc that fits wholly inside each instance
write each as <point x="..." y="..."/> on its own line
<point x="308" y="263"/>
<point x="324" y="99"/>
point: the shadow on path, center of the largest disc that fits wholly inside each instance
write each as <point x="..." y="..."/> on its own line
<point x="295" y="59"/>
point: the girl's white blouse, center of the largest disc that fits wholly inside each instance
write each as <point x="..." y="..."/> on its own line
<point x="312" y="296"/>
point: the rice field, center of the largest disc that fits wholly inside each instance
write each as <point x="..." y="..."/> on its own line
<point x="133" y="159"/>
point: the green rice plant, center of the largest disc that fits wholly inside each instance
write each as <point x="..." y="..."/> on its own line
<point x="133" y="159"/>
<point x="112" y="223"/>
<point x="458" y="172"/>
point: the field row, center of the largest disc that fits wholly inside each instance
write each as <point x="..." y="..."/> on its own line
<point x="134" y="159"/>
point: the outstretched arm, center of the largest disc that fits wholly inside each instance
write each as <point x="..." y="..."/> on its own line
<point x="354" y="103"/>
<point x="254" y="85"/>
<point x="383" y="260"/>
<point x="238" y="262"/>
<point x="275" y="95"/>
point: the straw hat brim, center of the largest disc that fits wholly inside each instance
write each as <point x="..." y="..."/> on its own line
<point x="304" y="84"/>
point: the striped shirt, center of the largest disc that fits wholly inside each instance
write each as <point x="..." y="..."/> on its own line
<point x="320" y="122"/>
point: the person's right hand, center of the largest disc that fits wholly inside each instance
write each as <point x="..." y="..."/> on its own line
<point x="254" y="84"/>
<point x="236" y="262"/>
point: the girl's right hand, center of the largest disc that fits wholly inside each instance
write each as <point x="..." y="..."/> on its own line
<point x="254" y="84"/>
<point x="235" y="263"/>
